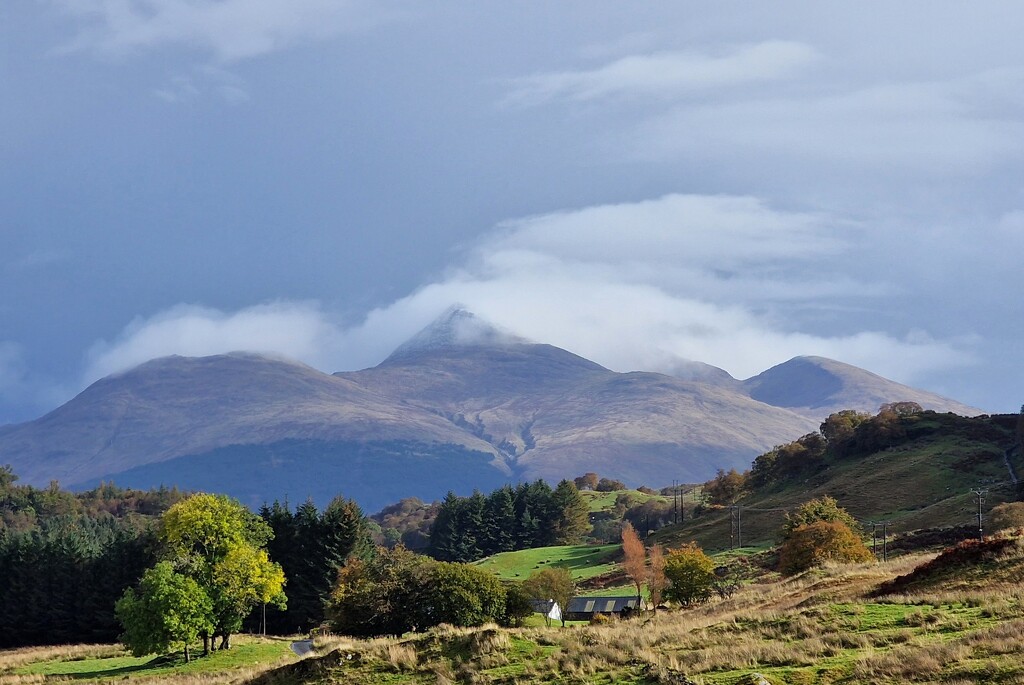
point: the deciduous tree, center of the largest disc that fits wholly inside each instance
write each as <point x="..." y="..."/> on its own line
<point x="634" y="561"/>
<point x="551" y="583"/>
<point x="657" y="581"/>
<point x="815" y="543"/>
<point x="691" y="575"/>
<point x="169" y="609"/>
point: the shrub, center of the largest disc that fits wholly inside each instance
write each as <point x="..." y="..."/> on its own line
<point x="691" y="575"/>
<point x="824" y="509"/>
<point x="814" y="544"/>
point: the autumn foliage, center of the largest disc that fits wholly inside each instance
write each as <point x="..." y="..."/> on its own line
<point x="813" y="544"/>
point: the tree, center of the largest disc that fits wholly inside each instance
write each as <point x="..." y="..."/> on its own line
<point x="634" y="561"/>
<point x="815" y="543"/>
<point x="609" y="485"/>
<point x="551" y="583"/>
<point x="573" y="514"/>
<point x="218" y="542"/>
<point x="499" y="522"/>
<point x="901" y="408"/>
<point x="840" y="426"/>
<point x="396" y="591"/>
<point x="588" y="481"/>
<point x="691" y="575"/>
<point x="169" y="609"/>
<point x="726" y="487"/>
<point x="819" y="509"/>
<point x="517" y="605"/>
<point x="657" y="582"/>
<point x="458" y="594"/>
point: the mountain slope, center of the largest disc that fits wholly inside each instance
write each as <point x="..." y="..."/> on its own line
<point x="178" y="406"/>
<point x="817" y="387"/>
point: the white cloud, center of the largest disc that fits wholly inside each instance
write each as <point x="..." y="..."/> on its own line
<point x="227" y="29"/>
<point x="930" y="128"/>
<point x="666" y="74"/>
<point x="293" y="329"/>
<point x="632" y="286"/>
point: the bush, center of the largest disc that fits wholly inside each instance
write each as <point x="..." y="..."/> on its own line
<point x="818" y="509"/>
<point x="691" y="575"/>
<point x="814" y="544"/>
<point x="397" y="591"/>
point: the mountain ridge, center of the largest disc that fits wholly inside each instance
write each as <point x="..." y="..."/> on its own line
<point x="460" y="396"/>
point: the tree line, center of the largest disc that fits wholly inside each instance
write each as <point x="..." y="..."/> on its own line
<point x="65" y="558"/>
<point x="530" y="515"/>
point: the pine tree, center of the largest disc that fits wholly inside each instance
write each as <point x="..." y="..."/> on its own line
<point x="573" y="514"/>
<point x="499" y="522"/>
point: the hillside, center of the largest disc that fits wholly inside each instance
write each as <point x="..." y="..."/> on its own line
<point x="461" y="405"/>
<point x="827" y="626"/>
<point x="817" y="387"/>
<point x="922" y="480"/>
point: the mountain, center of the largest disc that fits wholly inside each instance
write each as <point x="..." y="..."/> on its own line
<point x="460" y="405"/>
<point x="817" y="387"/>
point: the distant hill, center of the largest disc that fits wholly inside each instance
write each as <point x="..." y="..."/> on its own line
<point x="460" y="405"/>
<point x="920" y="478"/>
<point x="817" y="387"/>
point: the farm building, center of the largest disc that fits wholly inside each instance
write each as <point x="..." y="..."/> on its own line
<point x="584" y="608"/>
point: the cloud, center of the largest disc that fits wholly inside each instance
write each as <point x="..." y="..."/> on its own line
<point x="227" y="29"/>
<point x="298" y="330"/>
<point x="665" y="74"/>
<point x="955" y="127"/>
<point x="633" y="286"/>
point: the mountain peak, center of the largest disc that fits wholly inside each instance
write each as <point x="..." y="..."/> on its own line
<point x="456" y="327"/>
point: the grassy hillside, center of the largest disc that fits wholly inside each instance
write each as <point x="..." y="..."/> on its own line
<point x="584" y="561"/>
<point x="825" y="626"/>
<point x="605" y="501"/>
<point x="924" y="481"/>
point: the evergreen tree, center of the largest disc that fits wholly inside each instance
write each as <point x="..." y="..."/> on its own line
<point x="445" y="533"/>
<point x="499" y="522"/>
<point x="573" y="513"/>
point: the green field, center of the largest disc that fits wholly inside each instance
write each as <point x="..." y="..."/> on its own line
<point x="583" y="561"/>
<point x="247" y="654"/>
<point x="605" y="501"/>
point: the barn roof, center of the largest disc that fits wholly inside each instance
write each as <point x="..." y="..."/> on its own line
<point x="600" y="605"/>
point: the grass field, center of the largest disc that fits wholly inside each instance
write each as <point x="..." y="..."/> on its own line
<point x="583" y="561"/>
<point x="246" y="659"/>
<point x="823" y="627"/>
<point x="605" y="501"/>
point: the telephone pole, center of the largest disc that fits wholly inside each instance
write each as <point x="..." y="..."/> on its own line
<point x="980" y="494"/>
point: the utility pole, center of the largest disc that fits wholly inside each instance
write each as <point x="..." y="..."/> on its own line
<point x="874" y="538"/>
<point x="675" y="501"/>
<point x="980" y="494"/>
<point x="885" y="548"/>
<point x="739" y="525"/>
<point x="732" y="527"/>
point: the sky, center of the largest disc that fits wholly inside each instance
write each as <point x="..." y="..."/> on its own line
<point x="639" y="183"/>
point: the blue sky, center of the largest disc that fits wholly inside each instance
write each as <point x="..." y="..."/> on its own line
<point x="640" y="184"/>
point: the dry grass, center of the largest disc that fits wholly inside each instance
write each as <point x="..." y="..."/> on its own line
<point x="14" y="658"/>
